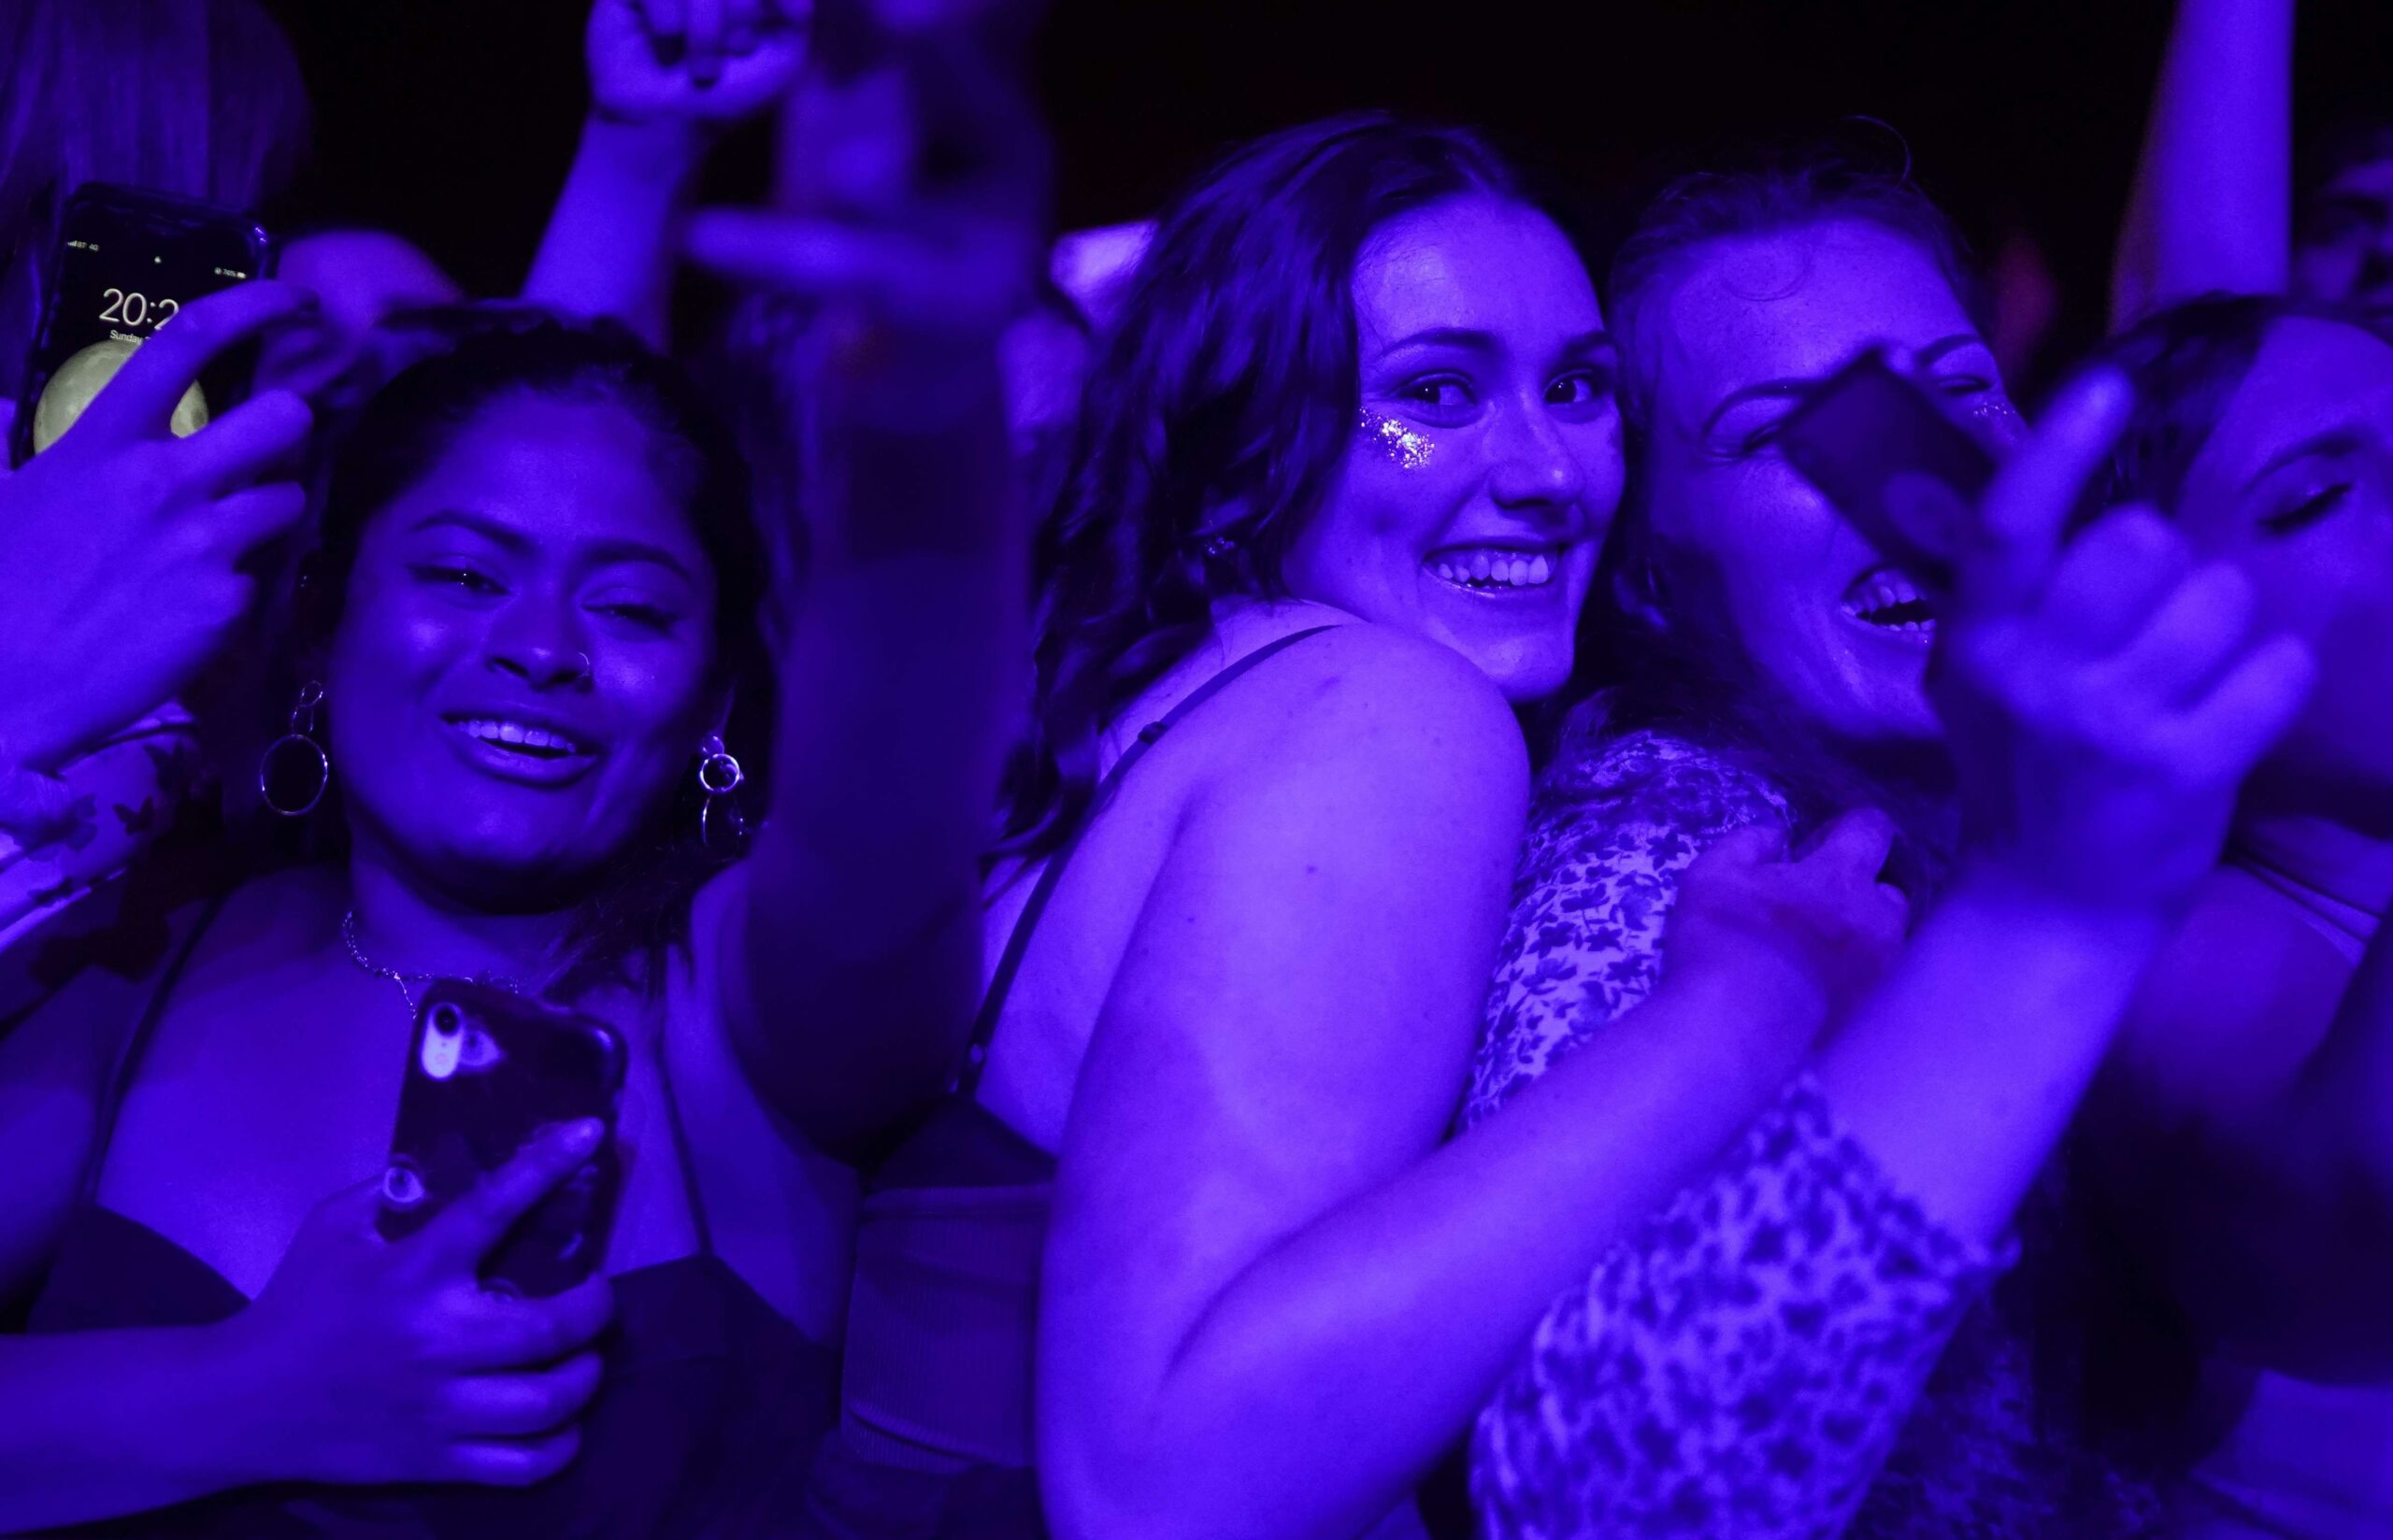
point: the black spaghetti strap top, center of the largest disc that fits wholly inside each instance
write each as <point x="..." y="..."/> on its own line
<point x="935" y="1423"/>
<point x="709" y="1407"/>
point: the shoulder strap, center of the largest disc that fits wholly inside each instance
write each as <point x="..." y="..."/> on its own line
<point x="146" y="1026"/>
<point x="690" y="1189"/>
<point x="984" y="1026"/>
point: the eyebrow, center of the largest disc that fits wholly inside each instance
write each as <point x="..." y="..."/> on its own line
<point x="597" y="553"/>
<point x="1474" y="339"/>
<point x="2340" y="440"/>
<point x="1795" y="387"/>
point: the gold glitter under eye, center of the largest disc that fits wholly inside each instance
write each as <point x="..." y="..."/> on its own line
<point x="1407" y="450"/>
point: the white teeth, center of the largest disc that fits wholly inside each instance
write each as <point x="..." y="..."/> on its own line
<point x="1495" y="567"/>
<point x="518" y="734"/>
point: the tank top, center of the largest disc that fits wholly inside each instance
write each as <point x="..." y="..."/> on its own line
<point x="709" y="1407"/>
<point x="935" y="1436"/>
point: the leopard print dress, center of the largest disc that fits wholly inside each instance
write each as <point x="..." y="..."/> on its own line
<point x="1763" y="1358"/>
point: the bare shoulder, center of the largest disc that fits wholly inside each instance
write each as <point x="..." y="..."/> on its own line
<point x="1361" y="696"/>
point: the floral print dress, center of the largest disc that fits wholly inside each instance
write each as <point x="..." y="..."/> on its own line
<point x="1763" y="1358"/>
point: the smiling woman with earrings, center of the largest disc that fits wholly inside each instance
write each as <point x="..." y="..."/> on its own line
<point x="541" y="663"/>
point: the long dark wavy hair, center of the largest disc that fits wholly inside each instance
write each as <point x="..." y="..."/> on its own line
<point x="1213" y="423"/>
<point x="1657" y="643"/>
<point x="404" y="428"/>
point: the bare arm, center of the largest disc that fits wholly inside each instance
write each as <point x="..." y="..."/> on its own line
<point x="855" y="960"/>
<point x="657" y="99"/>
<point x="608" y="248"/>
<point x="2251" y="1150"/>
<point x="1272" y="1300"/>
<point x="2211" y="208"/>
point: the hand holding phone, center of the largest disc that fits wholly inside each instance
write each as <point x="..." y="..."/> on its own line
<point x="488" y="1072"/>
<point x="122" y="549"/>
<point x="1904" y="474"/>
<point x="366" y="1360"/>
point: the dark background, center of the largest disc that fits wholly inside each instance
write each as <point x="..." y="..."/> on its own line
<point x="453" y="121"/>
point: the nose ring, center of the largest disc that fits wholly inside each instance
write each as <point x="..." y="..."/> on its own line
<point x="584" y="674"/>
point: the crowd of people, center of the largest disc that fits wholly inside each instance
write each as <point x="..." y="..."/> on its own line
<point x="1264" y="875"/>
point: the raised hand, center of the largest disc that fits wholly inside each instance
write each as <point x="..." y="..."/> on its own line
<point x="2103" y="701"/>
<point x="692" y="60"/>
<point x="121" y="545"/>
<point x="1808" y="936"/>
<point x="922" y="198"/>
<point x="387" y="1360"/>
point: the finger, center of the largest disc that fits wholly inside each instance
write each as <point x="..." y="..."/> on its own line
<point x="2191" y="638"/>
<point x="513" y="1461"/>
<point x="142" y="397"/>
<point x="2112" y="578"/>
<point x="705" y="40"/>
<point x="2028" y="506"/>
<point x="2241" y="721"/>
<point x="254" y="516"/>
<point x="743" y="26"/>
<point x="352" y="1210"/>
<point x="520" y="1405"/>
<point x="668" y="20"/>
<point x="263" y="435"/>
<point x="465" y="1231"/>
<point x="1855" y="844"/>
<point x="1748" y="845"/>
<point x="509" y="1334"/>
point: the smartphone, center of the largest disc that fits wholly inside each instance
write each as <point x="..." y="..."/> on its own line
<point x="488" y="1070"/>
<point x="1907" y="476"/>
<point x="126" y="261"/>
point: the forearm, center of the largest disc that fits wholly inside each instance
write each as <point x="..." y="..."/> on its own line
<point x="2213" y="202"/>
<point x="1795" y="1301"/>
<point x="900" y="700"/>
<point x="608" y="249"/>
<point x="96" y="1424"/>
<point x="1329" y="1376"/>
<point x="1961" y="1071"/>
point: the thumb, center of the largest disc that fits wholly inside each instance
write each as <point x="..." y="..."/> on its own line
<point x="470" y="1227"/>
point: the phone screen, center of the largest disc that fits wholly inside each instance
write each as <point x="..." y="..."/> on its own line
<point x="127" y="261"/>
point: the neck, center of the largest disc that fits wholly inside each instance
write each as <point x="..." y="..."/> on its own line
<point x="409" y="927"/>
<point x="2322" y="854"/>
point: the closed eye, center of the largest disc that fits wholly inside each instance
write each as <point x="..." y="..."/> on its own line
<point x="2309" y="511"/>
<point x="650" y="616"/>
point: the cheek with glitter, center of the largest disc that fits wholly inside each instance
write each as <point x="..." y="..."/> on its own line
<point x="1405" y="449"/>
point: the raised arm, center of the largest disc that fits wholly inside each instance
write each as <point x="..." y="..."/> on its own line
<point x="664" y="80"/>
<point x="852" y="964"/>
<point x="1271" y="1300"/>
<point x="2211" y="208"/>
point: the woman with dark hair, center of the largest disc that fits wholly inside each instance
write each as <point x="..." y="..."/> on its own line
<point x="2238" y="1125"/>
<point x="538" y="608"/>
<point x="1335" y="503"/>
<point x="1752" y="1361"/>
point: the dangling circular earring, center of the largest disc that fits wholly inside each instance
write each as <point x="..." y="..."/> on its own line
<point x="719" y="776"/>
<point x="298" y="748"/>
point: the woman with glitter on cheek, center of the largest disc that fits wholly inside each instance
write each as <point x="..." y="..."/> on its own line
<point x="1333" y="509"/>
<point x="1472" y="501"/>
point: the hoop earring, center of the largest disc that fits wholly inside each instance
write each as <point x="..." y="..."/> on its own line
<point x="718" y="778"/>
<point x="299" y="745"/>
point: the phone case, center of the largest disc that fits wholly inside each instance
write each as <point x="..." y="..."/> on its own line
<point x="1907" y="476"/>
<point x="486" y="1071"/>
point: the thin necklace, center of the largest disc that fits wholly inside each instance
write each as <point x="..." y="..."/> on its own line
<point x="357" y="955"/>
